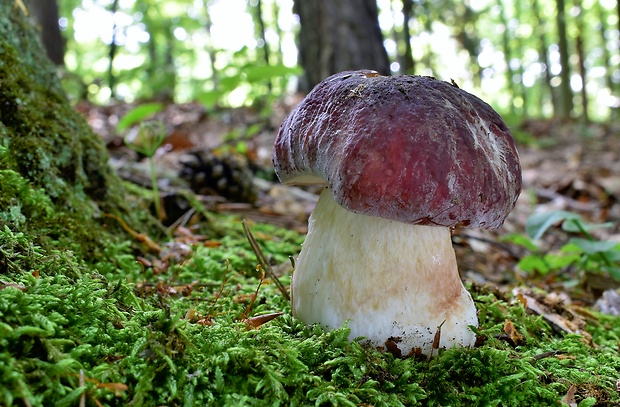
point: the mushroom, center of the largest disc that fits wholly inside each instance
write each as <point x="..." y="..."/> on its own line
<point x="404" y="160"/>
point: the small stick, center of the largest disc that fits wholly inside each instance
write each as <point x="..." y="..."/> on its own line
<point x="82" y="384"/>
<point x="141" y="237"/>
<point x="260" y="256"/>
<point x="254" y="296"/>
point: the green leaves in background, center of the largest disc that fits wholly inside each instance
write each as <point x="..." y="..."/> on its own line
<point x="256" y="78"/>
<point x="582" y="250"/>
<point x="138" y="114"/>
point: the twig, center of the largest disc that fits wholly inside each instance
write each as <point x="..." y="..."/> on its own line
<point x="260" y="256"/>
<point x="182" y="221"/>
<point x="82" y="384"/>
<point x="246" y="313"/>
<point x="141" y="237"/>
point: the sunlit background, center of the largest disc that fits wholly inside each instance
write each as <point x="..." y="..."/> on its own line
<point x="221" y="36"/>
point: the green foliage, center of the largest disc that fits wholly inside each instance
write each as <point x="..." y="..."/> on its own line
<point x="582" y="250"/>
<point x="257" y="81"/>
<point x="138" y="114"/>
<point x="149" y="136"/>
<point x="157" y="57"/>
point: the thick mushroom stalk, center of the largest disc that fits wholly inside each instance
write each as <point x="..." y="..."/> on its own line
<point x="394" y="283"/>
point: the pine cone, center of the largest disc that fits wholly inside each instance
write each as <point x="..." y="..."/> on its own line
<point x="224" y="174"/>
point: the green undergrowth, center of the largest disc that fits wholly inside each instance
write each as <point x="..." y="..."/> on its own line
<point x="178" y="337"/>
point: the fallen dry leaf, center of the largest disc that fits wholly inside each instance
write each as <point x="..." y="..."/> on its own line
<point x="569" y="398"/>
<point x="514" y="337"/>
<point x="258" y="320"/>
<point x="569" y="321"/>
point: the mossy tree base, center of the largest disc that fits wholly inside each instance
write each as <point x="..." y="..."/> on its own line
<point x="54" y="172"/>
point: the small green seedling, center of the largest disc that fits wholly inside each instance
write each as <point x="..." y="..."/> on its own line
<point x="582" y="250"/>
<point x="149" y="136"/>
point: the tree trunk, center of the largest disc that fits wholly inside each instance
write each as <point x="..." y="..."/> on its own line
<point x="112" y="54"/>
<point x="544" y="55"/>
<point x="260" y="29"/>
<point x="46" y="14"/>
<point x="407" y="65"/>
<point x="211" y="51"/>
<point x="467" y="35"/>
<point x="507" y="55"/>
<point x="338" y="35"/>
<point x="581" y="61"/>
<point x="275" y="13"/>
<point x="520" y="70"/>
<point x="566" y="93"/>
<point x="602" y="15"/>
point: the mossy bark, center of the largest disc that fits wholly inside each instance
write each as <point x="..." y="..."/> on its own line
<point x="54" y="172"/>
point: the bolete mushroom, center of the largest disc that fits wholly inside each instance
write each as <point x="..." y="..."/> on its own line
<point x="404" y="159"/>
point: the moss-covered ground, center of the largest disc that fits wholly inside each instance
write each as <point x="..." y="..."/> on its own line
<point x="85" y="321"/>
<point x="117" y="333"/>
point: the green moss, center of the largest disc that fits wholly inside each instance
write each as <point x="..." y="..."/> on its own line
<point x="55" y="177"/>
<point x="138" y="335"/>
<point x="142" y="336"/>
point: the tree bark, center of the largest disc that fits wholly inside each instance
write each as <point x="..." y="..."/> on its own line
<point x="260" y="29"/>
<point x="112" y="54"/>
<point x="540" y="32"/>
<point x="46" y="14"/>
<point x="407" y="64"/>
<point x="507" y="55"/>
<point x="338" y="35"/>
<point x="520" y="69"/>
<point x="211" y="51"/>
<point x="581" y="64"/>
<point x="566" y="93"/>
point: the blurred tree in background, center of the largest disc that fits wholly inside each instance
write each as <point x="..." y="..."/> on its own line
<point x="339" y="35"/>
<point x="46" y="13"/>
<point x="544" y="58"/>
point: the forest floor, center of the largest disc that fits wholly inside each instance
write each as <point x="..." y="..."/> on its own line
<point x="567" y="166"/>
<point x="556" y="254"/>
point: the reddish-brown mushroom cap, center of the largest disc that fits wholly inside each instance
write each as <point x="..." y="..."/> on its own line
<point x="407" y="148"/>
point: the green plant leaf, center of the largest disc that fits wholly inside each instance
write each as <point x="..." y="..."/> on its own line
<point x="229" y="83"/>
<point x="538" y="223"/>
<point x="578" y="225"/>
<point x="147" y="139"/>
<point x="560" y="261"/>
<point x="138" y="114"/>
<point x="210" y="98"/>
<point x="594" y="246"/>
<point x="532" y="264"/>
<point x="613" y="255"/>
<point x="519" y="240"/>
<point x="613" y="271"/>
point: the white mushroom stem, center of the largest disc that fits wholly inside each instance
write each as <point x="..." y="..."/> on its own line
<point x="392" y="281"/>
